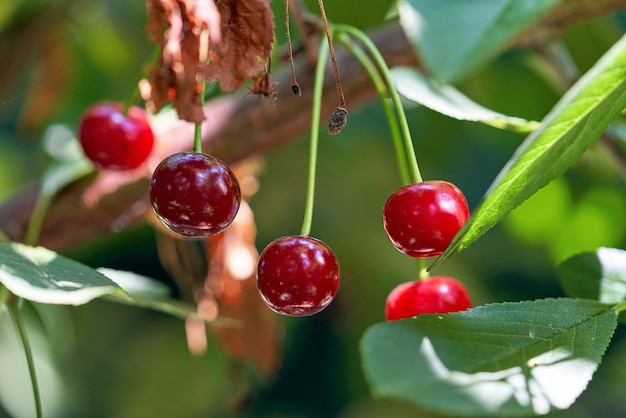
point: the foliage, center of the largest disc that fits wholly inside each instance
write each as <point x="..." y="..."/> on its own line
<point x="531" y="346"/>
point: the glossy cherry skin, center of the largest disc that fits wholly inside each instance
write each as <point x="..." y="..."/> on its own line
<point x="194" y="195"/>
<point x="421" y="219"/>
<point x="439" y="294"/>
<point x="114" y="140"/>
<point x="297" y="275"/>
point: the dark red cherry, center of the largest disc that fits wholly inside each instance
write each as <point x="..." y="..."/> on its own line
<point x="439" y="294"/>
<point x="297" y="275"/>
<point x="194" y="195"/>
<point x="115" y="140"/>
<point x="421" y="219"/>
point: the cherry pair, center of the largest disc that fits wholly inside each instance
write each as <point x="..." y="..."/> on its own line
<point x="421" y="219"/>
<point x="193" y="194"/>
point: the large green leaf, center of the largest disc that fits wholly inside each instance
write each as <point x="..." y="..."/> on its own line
<point x="576" y="121"/>
<point x="501" y="359"/>
<point x="448" y="101"/>
<point x="597" y="275"/>
<point x="453" y="37"/>
<point x="41" y="275"/>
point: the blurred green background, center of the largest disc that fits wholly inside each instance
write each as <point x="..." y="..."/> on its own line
<point x="106" y="360"/>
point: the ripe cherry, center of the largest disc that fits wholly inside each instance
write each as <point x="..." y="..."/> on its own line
<point x="114" y="140"/>
<point x="194" y="195"/>
<point x="421" y="219"/>
<point x="297" y="275"/>
<point x="439" y="294"/>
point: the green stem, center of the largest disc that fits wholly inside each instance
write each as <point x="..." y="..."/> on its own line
<point x="4" y="296"/>
<point x="422" y="269"/>
<point x="620" y="307"/>
<point x="383" y="92"/>
<point x="37" y="217"/>
<point x="28" y="351"/>
<point x="197" y="134"/>
<point x="415" y="176"/>
<point x="315" y="131"/>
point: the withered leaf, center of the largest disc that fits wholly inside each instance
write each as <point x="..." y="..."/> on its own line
<point x="247" y="37"/>
<point x="231" y="282"/>
<point x="262" y="84"/>
<point x="183" y="29"/>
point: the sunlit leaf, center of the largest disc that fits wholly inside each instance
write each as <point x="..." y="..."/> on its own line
<point x="136" y="285"/>
<point x="447" y="100"/>
<point x="502" y="359"/>
<point x="576" y="121"/>
<point x="597" y="275"/>
<point x="41" y="275"/>
<point x="453" y="37"/>
<point x="145" y="292"/>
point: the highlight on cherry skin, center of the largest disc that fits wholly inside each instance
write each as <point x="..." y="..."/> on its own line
<point x="194" y="195"/>
<point x="437" y="294"/>
<point x="297" y="275"/>
<point x="114" y="140"/>
<point x="421" y="219"/>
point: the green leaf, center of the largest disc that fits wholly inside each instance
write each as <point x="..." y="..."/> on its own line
<point x="576" y="121"/>
<point x="501" y="359"/>
<point x="448" y="101"/>
<point x="145" y="292"/>
<point x="454" y="37"/>
<point x="599" y="275"/>
<point x="41" y="275"/>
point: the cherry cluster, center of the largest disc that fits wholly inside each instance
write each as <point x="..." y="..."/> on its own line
<point x="196" y="195"/>
<point x="193" y="194"/>
<point x="421" y="220"/>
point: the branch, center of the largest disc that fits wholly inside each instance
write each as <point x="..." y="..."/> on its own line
<point x="237" y="127"/>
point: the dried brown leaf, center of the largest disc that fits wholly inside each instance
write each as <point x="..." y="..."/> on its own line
<point x="247" y="37"/>
<point x="184" y="30"/>
<point x="231" y="285"/>
<point x="262" y="84"/>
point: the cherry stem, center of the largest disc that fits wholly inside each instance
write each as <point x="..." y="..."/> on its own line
<point x="28" y="351"/>
<point x="409" y="152"/>
<point x="422" y="269"/>
<point x="342" y="100"/>
<point x="619" y="308"/>
<point x="316" y="110"/>
<point x="197" y="134"/>
<point x="383" y="92"/>
<point x="295" y="87"/>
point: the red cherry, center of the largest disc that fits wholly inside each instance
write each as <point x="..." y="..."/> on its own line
<point x="114" y="140"/>
<point x="421" y="219"/>
<point x="194" y="195"/>
<point x="439" y="294"/>
<point x="297" y="275"/>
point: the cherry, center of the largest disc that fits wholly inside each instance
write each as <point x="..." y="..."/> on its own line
<point x="297" y="275"/>
<point x="439" y="294"/>
<point x="421" y="219"/>
<point x="194" y="195"/>
<point x="114" y="140"/>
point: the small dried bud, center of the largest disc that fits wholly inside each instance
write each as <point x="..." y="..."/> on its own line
<point x="296" y="89"/>
<point x="337" y="120"/>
